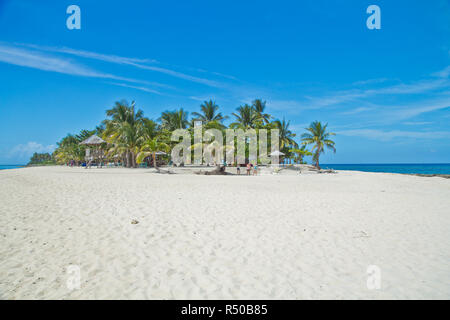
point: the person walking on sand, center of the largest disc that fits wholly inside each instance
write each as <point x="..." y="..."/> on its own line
<point x="255" y="169"/>
<point x="249" y="167"/>
<point x="238" y="169"/>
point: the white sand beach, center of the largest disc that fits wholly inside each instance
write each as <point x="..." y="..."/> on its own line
<point x="286" y="236"/>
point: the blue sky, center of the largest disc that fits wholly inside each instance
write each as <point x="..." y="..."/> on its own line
<point x="386" y="93"/>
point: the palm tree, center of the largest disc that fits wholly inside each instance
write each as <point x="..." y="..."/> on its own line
<point x="69" y="148"/>
<point x="320" y="138"/>
<point x="172" y="120"/>
<point x="302" y="152"/>
<point x="245" y="118"/>
<point x="124" y="130"/>
<point x="286" y="135"/>
<point x="149" y="129"/>
<point x="150" y="147"/>
<point x="209" y="112"/>
<point x="122" y="112"/>
<point x="84" y="134"/>
<point x="259" y="107"/>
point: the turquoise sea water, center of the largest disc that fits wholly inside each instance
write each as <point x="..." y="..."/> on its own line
<point x="9" y="166"/>
<point x="423" y="168"/>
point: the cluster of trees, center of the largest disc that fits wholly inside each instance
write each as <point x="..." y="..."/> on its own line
<point x="41" y="159"/>
<point x="132" y="137"/>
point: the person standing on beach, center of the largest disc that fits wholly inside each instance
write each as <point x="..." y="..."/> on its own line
<point x="249" y="167"/>
<point x="238" y="169"/>
<point x="255" y="169"/>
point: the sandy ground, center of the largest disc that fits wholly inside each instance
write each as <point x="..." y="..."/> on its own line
<point x="309" y="236"/>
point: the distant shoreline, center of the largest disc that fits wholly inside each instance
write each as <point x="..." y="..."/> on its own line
<point x="402" y="168"/>
<point x="338" y="168"/>
<point x="11" y="166"/>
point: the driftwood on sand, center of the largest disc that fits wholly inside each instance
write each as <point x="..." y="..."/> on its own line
<point x="163" y="171"/>
<point x="219" y="170"/>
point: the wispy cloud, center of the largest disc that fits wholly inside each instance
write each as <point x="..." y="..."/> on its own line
<point x="411" y="88"/>
<point x="413" y="110"/>
<point x="352" y="95"/>
<point x="370" y="81"/>
<point x="444" y="73"/>
<point x="417" y="123"/>
<point x="88" y="54"/>
<point x="202" y="98"/>
<point x="31" y="58"/>
<point x="356" y="111"/>
<point x="389" y="114"/>
<point x="398" y="89"/>
<point x="125" y="85"/>
<point x="376" y="134"/>
<point x="135" y="62"/>
<point x="37" y="60"/>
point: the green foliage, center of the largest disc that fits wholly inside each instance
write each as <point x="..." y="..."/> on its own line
<point x="172" y="120"/>
<point x="131" y="138"/>
<point x="209" y="113"/>
<point x="318" y="136"/>
<point x="41" y="159"/>
<point x="246" y="118"/>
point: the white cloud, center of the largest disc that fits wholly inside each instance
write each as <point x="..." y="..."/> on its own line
<point x="37" y="60"/>
<point x="416" y="109"/>
<point x="370" y="81"/>
<point x="444" y="73"/>
<point x="88" y="54"/>
<point x="356" y="110"/>
<point x="31" y="59"/>
<point x="417" y="123"/>
<point x="389" y="135"/>
<point x="138" y="63"/>
<point x="135" y="87"/>
<point x="22" y="151"/>
<point x="352" y="95"/>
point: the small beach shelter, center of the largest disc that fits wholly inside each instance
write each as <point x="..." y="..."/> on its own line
<point x="276" y="153"/>
<point x="95" y="142"/>
<point x="160" y="153"/>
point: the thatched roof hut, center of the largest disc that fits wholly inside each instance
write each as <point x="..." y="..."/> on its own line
<point x="93" y="141"/>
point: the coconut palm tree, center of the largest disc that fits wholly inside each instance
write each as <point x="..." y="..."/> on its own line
<point x="302" y="152"/>
<point x="84" y="134"/>
<point x="150" y="147"/>
<point x="124" y="129"/>
<point x="286" y="135"/>
<point x="259" y="107"/>
<point x="69" y="147"/>
<point x="246" y="117"/>
<point x="149" y="129"/>
<point x="320" y="138"/>
<point x="172" y="120"/>
<point x="209" y="113"/>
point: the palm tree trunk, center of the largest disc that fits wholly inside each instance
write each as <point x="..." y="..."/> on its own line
<point x="154" y="159"/>
<point x="128" y="159"/>
<point x="133" y="160"/>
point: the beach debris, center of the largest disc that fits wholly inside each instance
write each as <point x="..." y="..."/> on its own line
<point x="361" y="234"/>
<point x="446" y="176"/>
<point x="219" y="170"/>
<point x="326" y="171"/>
<point x="134" y="221"/>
